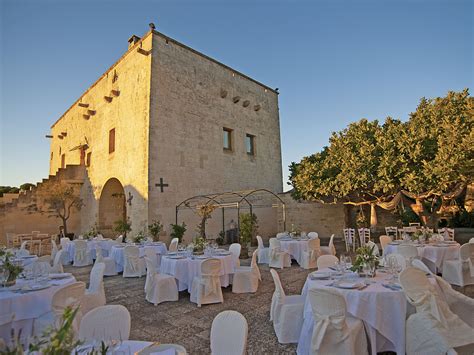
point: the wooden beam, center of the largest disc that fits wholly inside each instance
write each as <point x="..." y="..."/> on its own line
<point x="115" y="93"/>
<point x="86" y="117"/>
<point x="108" y="98"/>
<point x="91" y="112"/>
<point x="142" y="51"/>
<point x="81" y="104"/>
<point x="48" y="136"/>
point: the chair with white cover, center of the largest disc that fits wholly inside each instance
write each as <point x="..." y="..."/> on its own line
<point x="133" y="265"/>
<point x="330" y="249"/>
<point x="410" y="252"/>
<point x="110" y="267"/>
<point x="206" y="288"/>
<point x="174" y="245"/>
<point x="459" y="304"/>
<point x="281" y="235"/>
<point x="392" y="232"/>
<point x="278" y="258"/>
<point x="119" y="239"/>
<point x="82" y="256"/>
<point x="58" y="263"/>
<point x="95" y="294"/>
<point x="417" y="263"/>
<point x="349" y="238"/>
<point x="364" y="236"/>
<point x="229" y="333"/>
<point x="471" y="241"/>
<point x="235" y="249"/>
<point x="54" y="248"/>
<point x="262" y="251"/>
<point x="151" y="254"/>
<point x="70" y="295"/>
<point x="460" y="272"/>
<point x="286" y="313"/>
<point x="105" y="323"/>
<point x="335" y="332"/>
<point x="309" y="257"/>
<point x="246" y="278"/>
<point x="396" y="259"/>
<point x="164" y="349"/>
<point x="159" y="287"/>
<point x="64" y="242"/>
<point x="384" y="241"/>
<point x="313" y="235"/>
<point x="375" y="250"/>
<point x="325" y="261"/>
<point x="24" y="245"/>
<point x="434" y="328"/>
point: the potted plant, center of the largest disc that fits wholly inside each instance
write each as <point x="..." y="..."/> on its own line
<point x="140" y="237"/>
<point x="11" y="268"/>
<point x="198" y="245"/>
<point x="248" y="228"/>
<point x="220" y="238"/>
<point x="155" y="229"/>
<point x="178" y="230"/>
<point x="123" y="227"/>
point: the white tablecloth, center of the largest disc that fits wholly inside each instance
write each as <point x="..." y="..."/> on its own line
<point x="26" y="307"/>
<point x="383" y="311"/>
<point x="295" y="248"/>
<point x="105" y="245"/>
<point x="184" y="270"/>
<point x="116" y="253"/>
<point x="23" y="261"/>
<point x="435" y="254"/>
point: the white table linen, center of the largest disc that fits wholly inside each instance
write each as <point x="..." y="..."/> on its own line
<point x="105" y="245"/>
<point x="295" y="248"/>
<point x="26" y="307"/>
<point x="435" y="254"/>
<point x="184" y="270"/>
<point x="116" y="253"/>
<point x="382" y="310"/>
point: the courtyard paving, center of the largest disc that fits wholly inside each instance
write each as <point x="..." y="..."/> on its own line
<point x="183" y="323"/>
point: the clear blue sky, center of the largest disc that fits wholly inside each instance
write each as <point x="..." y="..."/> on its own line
<point x="333" y="61"/>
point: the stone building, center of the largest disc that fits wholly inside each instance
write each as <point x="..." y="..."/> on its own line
<point x="164" y="123"/>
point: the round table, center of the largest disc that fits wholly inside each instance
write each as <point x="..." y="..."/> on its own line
<point x="294" y="247"/>
<point x="105" y="244"/>
<point x="185" y="269"/>
<point x="116" y="253"/>
<point x="432" y="254"/>
<point x="26" y="307"/>
<point x="382" y="310"/>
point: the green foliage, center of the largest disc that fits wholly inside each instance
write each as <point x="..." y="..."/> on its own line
<point x="407" y="216"/>
<point x="220" y="238"/>
<point x="178" y="230"/>
<point x="123" y="226"/>
<point x="462" y="219"/>
<point x="432" y="151"/>
<point x="62" y="200"/>
<point x="14" y="270"/>
<point x="155" y="229"/>
<point x="8" y="190"/>
<point x="248" y="227"/>
<point x="26" y="186"/>
<point x="364" y="255"/>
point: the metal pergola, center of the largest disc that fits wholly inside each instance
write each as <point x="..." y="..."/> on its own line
<point x="257" y="198"/>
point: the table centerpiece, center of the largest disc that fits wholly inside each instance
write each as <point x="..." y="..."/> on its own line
<point x="365" y="258"/>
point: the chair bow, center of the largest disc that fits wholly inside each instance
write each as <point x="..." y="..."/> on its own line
<point x="274" y="253"/>
<point x="429" y="298"/>
<point x="80" y="254"/>
<point x="210" y="283"/>
<point x="470" y="265"/>
<point x="322" y="322"/>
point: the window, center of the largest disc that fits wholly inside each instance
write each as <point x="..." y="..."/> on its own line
<point x="88" y="159"/>
<point x="112" y="140"/>
<point x="227" y="139"/>
<point x="250" y="144"/>
<point x="51" y="156"/>
<point x="63" y="161"/>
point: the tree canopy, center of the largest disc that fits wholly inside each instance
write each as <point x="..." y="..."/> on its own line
<point x="432" y="152"/>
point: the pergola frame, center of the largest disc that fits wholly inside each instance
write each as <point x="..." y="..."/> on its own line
<point x="233" y="200"/>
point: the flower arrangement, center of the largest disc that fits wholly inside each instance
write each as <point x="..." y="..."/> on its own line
<point x="13" y="269"/>
<point x="365" y="256"/>
<point x="140" y="237"/>
<point x="90" y="234"/>
<point x="198" y="245"/>
<point x="421" y="235"/>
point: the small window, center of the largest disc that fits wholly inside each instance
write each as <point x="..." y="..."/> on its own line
<point x="112" y="140"/>
<point x="51" y="158"/>
<point x="63" y="161"/>
<point x="250" y="144"/>
<point x="227" y="139"/>
<point x="88" y="159"/>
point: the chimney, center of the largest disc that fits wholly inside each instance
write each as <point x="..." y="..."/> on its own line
<point x="132" y="41"/>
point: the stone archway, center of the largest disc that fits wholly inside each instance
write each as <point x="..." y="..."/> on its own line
<point x="111" y="206"/>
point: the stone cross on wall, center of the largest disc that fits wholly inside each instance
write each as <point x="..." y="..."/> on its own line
<point x="161" y="185"/>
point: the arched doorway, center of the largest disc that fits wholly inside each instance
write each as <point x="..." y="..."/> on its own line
<point x="111" y="206"/>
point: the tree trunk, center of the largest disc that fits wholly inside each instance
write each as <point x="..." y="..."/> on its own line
<point x="64" y="225"/>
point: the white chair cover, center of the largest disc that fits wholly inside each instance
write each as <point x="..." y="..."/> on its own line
<point x="460" y="272"/>
<point x="334" y="332"/>
<point x="278" y="258"/>
<point x="54" y="249"/>
<point x="164" y="349"/>
<point x="309" y="257"/>
<point x="459" y="304"/>
<point x="119" y="239"/>
<point x="421" y="265"/>
<point x="371" y="244"/>
<point x="174" y="244"/>
<point x="246" y="277"/>
<point x="23" y="245"/>
<point x="67" y="296"/>
<point x="313" y="235"/>
<point x="229" y="332"/>
<point x="349" y="238"/>
<point x="286" y="312"/>
<point x="325" y="261"/>
<point x="82" y="256"/>
<point x="134" y="266"/>
<point x="399" y="259"/>
<point x="434" y="328"/>
<point x="410" y="252"/>
<point x="235" y="249"/>
<point x="105" y="323"/>
<point x="110" y="267"/>
<point x="155" y="259"/>
<point x="206" y="288"/>
<point x="159" y="287"/>
<point x="471" y="240"/>
<point x="58" y="262"/>
<point x="22" y="252"/>
<point x="262" y="251"/>
<point x="95" y="294"/>
<point x="384" y="241"/>
<point x="330" y="249"/>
